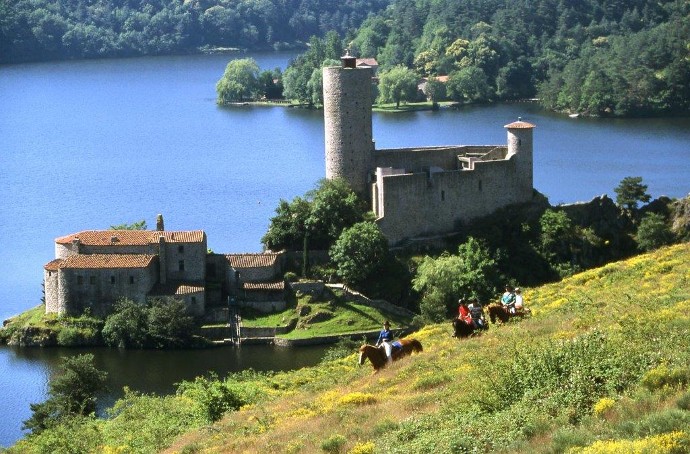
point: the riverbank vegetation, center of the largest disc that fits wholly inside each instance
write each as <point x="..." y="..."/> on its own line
<point x="601" y="366"/>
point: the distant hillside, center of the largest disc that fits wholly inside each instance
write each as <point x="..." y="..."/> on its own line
<point x="602" y="366"/>
<point x="33" y="30"/>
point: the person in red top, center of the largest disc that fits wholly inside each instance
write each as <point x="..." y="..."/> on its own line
<point x="464" y="312"/>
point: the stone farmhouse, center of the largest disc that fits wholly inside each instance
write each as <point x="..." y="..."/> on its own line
<point x="92" y="269"/>
<point x="421" y="191"/>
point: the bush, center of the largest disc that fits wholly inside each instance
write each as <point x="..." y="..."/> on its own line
<point x="214" y="396"/>
<point x="333" y="444"/>
<point x="662" y="376"/>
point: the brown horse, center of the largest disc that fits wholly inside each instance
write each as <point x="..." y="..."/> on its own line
<point x="377" y="355"/>
<point x="498" y="311"/>
<point x="462" y="329"/>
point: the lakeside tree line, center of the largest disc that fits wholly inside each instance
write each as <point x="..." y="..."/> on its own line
<point x="33" y="30"/>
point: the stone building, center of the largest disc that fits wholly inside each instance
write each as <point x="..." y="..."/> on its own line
<point x="257" y="281"/>
<point x="422" y="191"/>
<point x="94" y="268"/>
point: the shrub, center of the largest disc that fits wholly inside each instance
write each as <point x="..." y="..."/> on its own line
<point x="684" y="401"/>
<point x="363" y="448"/>
<point x="214" y="397"/>
<point x="603" y="405"/>
<point x="662" y="376"/>
<point x="333" y="444"/>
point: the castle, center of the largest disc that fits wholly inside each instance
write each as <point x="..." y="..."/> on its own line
<point x="425" y="191"/>
<point x="414" y="192"/>
<point x="92" y="269"/>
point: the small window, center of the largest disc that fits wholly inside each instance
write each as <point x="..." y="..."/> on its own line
<point x="112" y="279"/>
<point x="480" y="185"/>
<point x="80" y="280"/>
<point x="92" y="280"/>
<point x="180" y="249"/>
<point x="181" y="265"/>
<point x="194" y="300"/>
<point x="443" y="196"/>
<point x="131" y="279"/>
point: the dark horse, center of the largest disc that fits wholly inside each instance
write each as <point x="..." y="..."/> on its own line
<point x="498" y="311"/>
<point x="462" y="329"/>
<point x="377" y="355"/>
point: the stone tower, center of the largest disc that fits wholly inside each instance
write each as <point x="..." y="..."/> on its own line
<point x="347" y="120"/>
<point x="520" y="149"/>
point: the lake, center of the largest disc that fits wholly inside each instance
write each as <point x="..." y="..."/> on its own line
<point x="89" y="144"/>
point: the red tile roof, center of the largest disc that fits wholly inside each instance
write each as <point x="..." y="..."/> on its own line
<point x="520" y="125"/>
<point x="101" y="261"/>
<point x="131" y="237"/>
<point x="252" y="260"/>
<point x="178" y="288"/>
<point x="273" y="286"/>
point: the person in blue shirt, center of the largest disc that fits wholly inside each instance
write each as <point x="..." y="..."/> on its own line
<point x="508" y="299"/>
<point x="385" y="339"/>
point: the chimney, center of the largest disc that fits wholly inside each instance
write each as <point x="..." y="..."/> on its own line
<point x="348" y="61"/>
<point x="159" y="223"/>
<point x="76" y="245"/>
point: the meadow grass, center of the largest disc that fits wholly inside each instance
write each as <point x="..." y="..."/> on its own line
<point x="602" y="366"/>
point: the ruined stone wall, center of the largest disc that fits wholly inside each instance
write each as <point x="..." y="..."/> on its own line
<point x="416" y="159"/>
<point x="424" y="204"/>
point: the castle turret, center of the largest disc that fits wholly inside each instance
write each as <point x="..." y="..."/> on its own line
<point x="347" y="119"/>
<point x="520" y="149"/>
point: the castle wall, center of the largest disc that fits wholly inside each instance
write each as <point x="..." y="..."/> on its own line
<point x="422" y="204"/>
<point x="98" y="289"/>
<point x="420" y="158"/>
<point x="185" y="261"/>
<point x="51" y="288"/>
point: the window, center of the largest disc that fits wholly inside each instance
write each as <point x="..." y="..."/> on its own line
<point x="112" y="279"/>
<point x="194" y="300"/>
<point x="80" y="280"/>
<point x="443" y="196"/>
<point x="181" y="265"/>
<point x="480" y="185"/>
<point x="92" y="280"/>
<point x="131" y="279"/>
<point x="180" y="249"/>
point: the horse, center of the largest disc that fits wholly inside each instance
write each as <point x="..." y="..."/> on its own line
<point x="462" y="329"/>
<point x="498" y="311"/>
<point x="377" y="355"/>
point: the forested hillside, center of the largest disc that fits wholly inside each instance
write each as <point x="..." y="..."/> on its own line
<point x="590" y="56"/>
<point x="59" y="29"/>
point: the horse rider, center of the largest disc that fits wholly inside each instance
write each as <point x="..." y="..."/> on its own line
<point x="385" y="339"/>
<point x="477" y="314"/>
<point x="464" y="312"/>
<point x="519" y="301"/>
<point x="508" y="299"/>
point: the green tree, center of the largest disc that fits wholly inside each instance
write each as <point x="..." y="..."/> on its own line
<point x="240" y="81"/>
<point x="139" y="225"/>
<point x="557" y="236"/>
<point x="168" y="323"/>
<point x="358" y="252"/>
<point x="126" y="326"/>
<point x="71" y="393"/>
<point x="468" y="85"/>
<point x="470" y="274"/>
<point x="654" y="231"/>
<point x="435" y="90"/>
<point x="398" y="84"/>
<point x="630" y="192"/>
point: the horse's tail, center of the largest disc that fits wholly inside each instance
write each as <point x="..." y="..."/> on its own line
<point x="416" y="345"/>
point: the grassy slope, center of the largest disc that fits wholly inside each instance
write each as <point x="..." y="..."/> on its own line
<point x="588" y="369"/>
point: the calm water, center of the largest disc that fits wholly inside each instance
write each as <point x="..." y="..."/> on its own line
<point x="85" y="145"/>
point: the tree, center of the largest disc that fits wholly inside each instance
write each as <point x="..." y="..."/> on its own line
<point x="358" y="252"/>
<point x="398" y="84"/>
<point x="168" y="323"/>
<point x="468" y="85"/>
<point x="139" y="225"/>
<point x="435" y="90"/>
<point x="240" y="81"/>
<point x="630" y="192"/>
<point x="126" y="326"/>
<point x="71" y="393"/>
<point x="654" y="232"/>
<point x="470" y="274"/>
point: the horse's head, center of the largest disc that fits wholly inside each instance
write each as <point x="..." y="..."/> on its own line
<point x="362" y="354"/>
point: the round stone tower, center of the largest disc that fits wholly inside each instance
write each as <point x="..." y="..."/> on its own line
<point x="520" y="149"/>
<point x="347" y="121"/>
